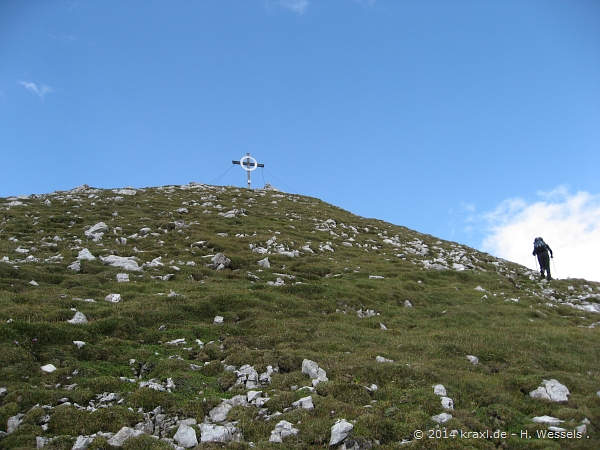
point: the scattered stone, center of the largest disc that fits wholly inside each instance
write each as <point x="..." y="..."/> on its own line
<point x="312" y="369"/>
<point x="126" y="263"/>
<point x="264" y="263"/>
<point x="440" y="390"/>
<point x="219" y="262"/>
<point x="547" y="419"/>
<point x="218" y="319"/>
<point x="479" y="288"/>
<point x="474" y="359"/>
<point x="79" y="344"/>
<point x="124" y="433"/>
<point x="381" y="359"/>
<point x="123" y="277"/>
<point x="113" y="298"/>
<point x="304" y="403"/>
<point x="33" y="283"/>
<point x="408" y="304"/>
<point x="75" y="267"/>
<point x="13" y="423"/>
<point x="85" y="255"/>
<point x="48" y="368"/>
<point x="218" y="433"/>
<point x="382" y="326"/>
<point x="340" y="431"/>
<point x="442" y="418"/>
<point x="376" y="277"/>
<point x="219" y="412"/>
<point x="186" y="436"/>
<point x="126" y="191"/>
<point x="551" y="390"/>
<point x="282" y="430"/>
<point x="97" y="231"/>
<point x="278" y="282"/>
<point x="78" y="318"/>
<point x="447" y="403"/>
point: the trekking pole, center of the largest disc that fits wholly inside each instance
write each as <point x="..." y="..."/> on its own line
<point x="554" y="266"/>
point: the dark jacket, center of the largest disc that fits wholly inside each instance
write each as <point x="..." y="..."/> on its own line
<point x="541" y="249"/>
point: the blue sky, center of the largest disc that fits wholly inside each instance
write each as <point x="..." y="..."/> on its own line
<point x="473" y="121"/>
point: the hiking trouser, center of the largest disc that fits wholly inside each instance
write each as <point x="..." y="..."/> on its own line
<point x="544" y="260"/>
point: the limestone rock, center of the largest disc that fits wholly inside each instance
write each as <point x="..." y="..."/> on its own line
<point x="219" y="262"/>
<point x="217" y="433"/>
<point x="113" y="298"/>
<point x="264" y="263"/>
<point x="282" y="430"/>
<point x="551" y="390"/>
<point x="312" y="369"/>
<point x="219" y="413"/>
<point x="439" y="389"/>
<point x="547" y="419"/>
<point x="75" y="267"/>
<point x="79" y="344"/>
<point x="97" y="231"/>
<point x="48" y="368"/>
<point x="381" y="359"/>
<point x="123" y="277"/>
<point x="474" y="359"/>
<point x="340" y="431"/>
<point x="78" y="318"/>
<point x="442" y="418"/>
<point x="124" y="433"/>
<point x="82" y="443"/>
<point x="304" y="403"/>
<point x="186" y="436"/>
<point x="447" y="403"/>
<point x="126" y="263"/>
<point x="13" y="423"/>
<point x="85" y="255"/>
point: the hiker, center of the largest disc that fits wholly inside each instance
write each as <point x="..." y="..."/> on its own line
<point x="541" y="249"/>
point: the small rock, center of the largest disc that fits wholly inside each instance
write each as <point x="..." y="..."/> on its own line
<point x="33" y="283"/>
<point x="547" y="419"/>
<point x="82" y="443"/>
<point x="48" y="368"/>
<point x="474" y="359"/>
<point x="123" y="277"/>
<point x="264" y="263"/>
<point x="79" y="344"/>
<point x="442" y="418"/>
<point x="447" y="403"/>
<point x="304" y="403"/>
<point x="408" y="304"/>
<point x="439" y="389"/>
<point x="186" y="436"/>
<point x="78" y="318"/>
<point x="113" y="298"/>
<point x="13" y="423"/>
<point x="314" y="371"/>
<point x="551" y="390"/>
<point x="124" y="433"/>
<point x="218" y="319"/>
<point x="381" y="359"/>
<point x="75" y="267"/>
<point x="282" y="430"/>
<point x="85" y="255"/>
<point x="340" y="431"/>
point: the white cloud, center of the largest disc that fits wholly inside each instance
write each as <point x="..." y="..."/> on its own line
<point x="41" y="90"/>
<point x="569" y="223"/>
<point x="297" y="6"/>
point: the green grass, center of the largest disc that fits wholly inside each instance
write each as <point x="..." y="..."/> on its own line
<point x="313" y="316"/>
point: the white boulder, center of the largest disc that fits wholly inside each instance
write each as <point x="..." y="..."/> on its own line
<point x="78" y="318"/>
<point x="126" y="263"/>
<point x="551" y="390"/>
<point x="186" y="436"/>
<point x="340" y="431"/>
<point x="85" y="255"/>
<point x="282" y="430"/>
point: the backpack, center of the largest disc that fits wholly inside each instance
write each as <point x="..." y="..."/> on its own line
<point x="539" y="243"/>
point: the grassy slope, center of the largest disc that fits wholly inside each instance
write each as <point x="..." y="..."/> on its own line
<point x="518" y="343"/>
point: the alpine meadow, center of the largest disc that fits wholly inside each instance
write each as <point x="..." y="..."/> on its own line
<point x="207" y="317"/>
